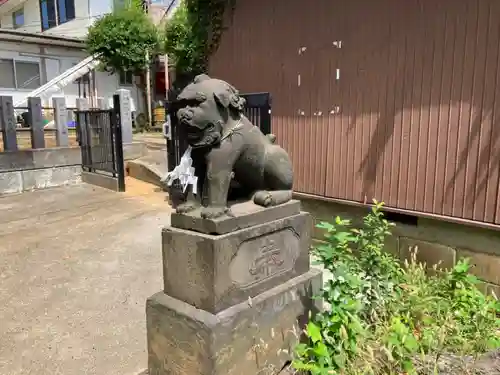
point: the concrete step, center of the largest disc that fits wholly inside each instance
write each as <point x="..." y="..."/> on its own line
<point x="154" y="146"/>
<point x="150" y="168"/>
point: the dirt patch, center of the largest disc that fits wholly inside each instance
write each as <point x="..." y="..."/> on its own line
<point x="488" y="364"/>
<point x="148" y="193"/>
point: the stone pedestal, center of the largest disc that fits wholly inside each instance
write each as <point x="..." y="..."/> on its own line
<point x="233" y="303"/>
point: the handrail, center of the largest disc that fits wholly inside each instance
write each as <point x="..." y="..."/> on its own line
<point x="79" y="70"/>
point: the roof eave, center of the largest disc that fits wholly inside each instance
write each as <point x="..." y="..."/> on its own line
<point x="41" y="39"/>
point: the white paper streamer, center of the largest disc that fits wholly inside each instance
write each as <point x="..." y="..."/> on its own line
<point x="184" y="172"/>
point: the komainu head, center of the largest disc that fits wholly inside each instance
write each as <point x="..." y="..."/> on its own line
<point x="207" y="107"/>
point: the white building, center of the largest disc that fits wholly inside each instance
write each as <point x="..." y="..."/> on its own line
<point x="41" y="39"/>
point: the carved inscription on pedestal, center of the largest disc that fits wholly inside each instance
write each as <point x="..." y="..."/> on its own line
<point x="262" y="258"/>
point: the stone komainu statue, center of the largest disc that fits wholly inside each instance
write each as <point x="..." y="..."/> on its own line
<point x="230" y="155"/>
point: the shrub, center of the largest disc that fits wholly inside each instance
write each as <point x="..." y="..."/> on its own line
<point x="388" y="318"/>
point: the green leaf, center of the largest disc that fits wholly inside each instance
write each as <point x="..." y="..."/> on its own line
<point x="321" y="350"/>
<point x="411" y="344"/>
<point x="313" y="332"/>
<point x="408" y="366"/>
<point x="325" y="225"/>
<point x="344" y="237"/>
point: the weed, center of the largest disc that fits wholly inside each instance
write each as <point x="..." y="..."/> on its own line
<point x="385" y="317"/>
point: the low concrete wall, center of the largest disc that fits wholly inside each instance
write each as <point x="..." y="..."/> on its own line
<point x="28" y="170"/>
<point x="437" y="241"/>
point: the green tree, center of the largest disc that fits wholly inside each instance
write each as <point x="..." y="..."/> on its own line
<point x="126" y="40"/>
<point x="193" y="34"/>
<point x="183" y="43"/>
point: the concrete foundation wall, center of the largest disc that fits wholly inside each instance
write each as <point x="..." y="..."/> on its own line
<point x="28" y="170"/>
<point x="437" y="241"/>
<point x="35" y="179"/>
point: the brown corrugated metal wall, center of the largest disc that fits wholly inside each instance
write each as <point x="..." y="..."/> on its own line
<point x="411" y="117"/>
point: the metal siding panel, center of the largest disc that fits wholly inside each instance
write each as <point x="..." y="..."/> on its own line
<point x="386" y="122"/>
<point x="399" y="89"/>
<point x="357" y="123"/>
<point x="348" y="127"/>
<point x="308" y="93"/>
<point x="450" y="201"/>
<point x="433" y="153"/>
<point x="416" y="103"/>
<point x="371" y="167"/>
<point x="423" y="138"/>
<point x="303" y="123"/>
<point x="406" y="118"/>
<point x="335" y="134"/>
<point x="332" y="143"/>
<point x="475" y="200"/>
<point x="418" y="92"/>
<point x="444" y="125"/>
<point x="493" y="101"/>
<point x="324" y="96"/>
<point x="465" y="110"/>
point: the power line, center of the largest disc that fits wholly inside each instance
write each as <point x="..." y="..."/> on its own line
<point x="169" y="8"/>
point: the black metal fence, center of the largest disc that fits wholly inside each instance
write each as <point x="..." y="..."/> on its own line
<point x="258" y="111"/>
<point x="100" y="139"/>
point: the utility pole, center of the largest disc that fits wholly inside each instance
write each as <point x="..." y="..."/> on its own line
<point x="148" y="90"/>
<point x="167" y="83"/>
<point x="145" y="6"/>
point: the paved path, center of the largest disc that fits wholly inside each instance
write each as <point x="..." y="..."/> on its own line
<point x="76" y="266"/>
<point x="152" y="139"/>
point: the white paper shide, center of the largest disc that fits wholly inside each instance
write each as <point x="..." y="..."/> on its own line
<point x="184" y="172"/>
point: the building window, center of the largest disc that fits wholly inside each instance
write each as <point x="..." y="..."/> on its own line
<point x="56" y="12"/>
<point x="19" y="74"/>
<point x="126" y="79"/>
<point x="65" y="11"/>
<point x="7" y="79"/>
<point x="27" y="75"/>
<point x="18" y="18"/>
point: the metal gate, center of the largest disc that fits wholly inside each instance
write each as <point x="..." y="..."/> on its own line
<point x="100" y="139"/>
<point x="258" y="111"/>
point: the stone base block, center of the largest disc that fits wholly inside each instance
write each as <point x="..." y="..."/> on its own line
<point x="243" y="215"/>
<point x="253" y="337"/>
<point x="101" y="180"/>
<point x="215" y="272"/>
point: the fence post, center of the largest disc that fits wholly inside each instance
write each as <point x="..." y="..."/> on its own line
<point x="102" y="103"/>
<point x="8" y="124"/>
<point x="82" y="104"/>
<point x="125" y="112"/>
<point x="118" y="138"/>
<point x="37" y="129"/>
<point x="61" y="122"/>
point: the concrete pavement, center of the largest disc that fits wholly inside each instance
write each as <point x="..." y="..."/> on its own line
<point x="76" y="266"/>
